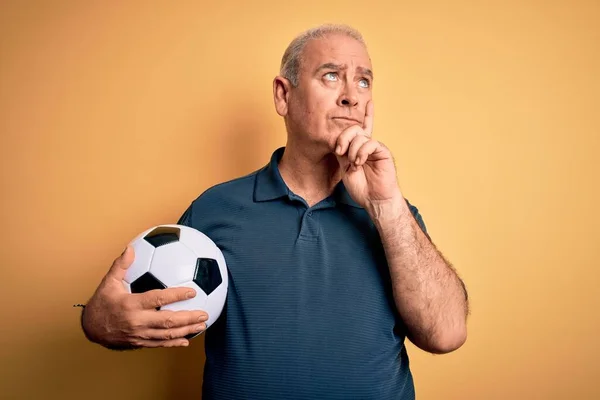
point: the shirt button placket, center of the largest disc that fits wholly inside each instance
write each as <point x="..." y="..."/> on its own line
<point x="309" y="229"/>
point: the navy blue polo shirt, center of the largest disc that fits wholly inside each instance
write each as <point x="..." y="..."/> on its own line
<point x="309" y="311"/>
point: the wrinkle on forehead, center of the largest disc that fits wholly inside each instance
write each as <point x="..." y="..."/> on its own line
<point x="335" y="49"/>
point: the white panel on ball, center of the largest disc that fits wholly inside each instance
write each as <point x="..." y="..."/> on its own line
<point x="173" y="264"/>
<point x="198" y="242"/>
<point x="143" y="252"/>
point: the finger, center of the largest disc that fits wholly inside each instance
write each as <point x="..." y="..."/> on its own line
<point x="357" y="143"/>
<point x="119" y="266"/>
<point x="160" y="297"/>
<point x="369" y="118"/>
<point x="367" y="150"/>
<point x="161" y="343"/>
<point x="344" y="139"/>
<point x="172" y="334"/>
<point x="175" y="319"/>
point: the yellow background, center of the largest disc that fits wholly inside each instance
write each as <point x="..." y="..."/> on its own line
<point x="114" y="116"/>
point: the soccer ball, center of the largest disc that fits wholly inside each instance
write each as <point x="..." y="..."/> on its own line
<point x="179" y="256"/>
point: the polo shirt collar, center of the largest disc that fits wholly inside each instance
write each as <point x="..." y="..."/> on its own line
<point x="270" y="185"/>
<point x="341" y="195"/>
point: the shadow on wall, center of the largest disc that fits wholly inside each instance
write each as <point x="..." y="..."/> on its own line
<point x="242" y="144"/>
<point x="242" y="141"/>
<point x="185" y="371"/>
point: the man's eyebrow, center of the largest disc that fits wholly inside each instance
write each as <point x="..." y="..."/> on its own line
<point x="365" y="71"/>
<point x="337" y="67"/>
<point x="333" y="66"/>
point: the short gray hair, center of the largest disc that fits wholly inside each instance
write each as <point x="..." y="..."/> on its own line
<point x="290" y="62"/>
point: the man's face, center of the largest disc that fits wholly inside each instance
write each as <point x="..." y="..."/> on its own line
<point x="334" y="87"/>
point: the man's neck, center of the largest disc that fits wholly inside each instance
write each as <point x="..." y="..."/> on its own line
<point x="309" y="173"/>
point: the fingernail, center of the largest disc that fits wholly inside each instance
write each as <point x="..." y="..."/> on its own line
<point x="186" y="343"/>
<point x="202" y="318"/>
<point x="200" y="327"/>
<point x="338" y="149"/>
<point x="189" y="295"/>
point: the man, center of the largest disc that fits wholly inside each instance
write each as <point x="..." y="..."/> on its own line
<point x="330" y="266"/>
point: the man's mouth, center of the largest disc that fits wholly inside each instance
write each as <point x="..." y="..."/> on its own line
<point x="348" y="120"/>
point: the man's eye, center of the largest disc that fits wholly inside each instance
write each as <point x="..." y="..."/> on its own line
<point x="330" y="76"/>
<point x="364" y="83"/>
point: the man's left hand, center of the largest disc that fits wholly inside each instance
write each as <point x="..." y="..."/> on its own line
<point x="368" y="169"/>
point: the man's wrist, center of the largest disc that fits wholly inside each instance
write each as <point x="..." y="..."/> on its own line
<point x="92" y="338"/>
<point x="87" y="325"/>
<point x="84" y="325"/>
<point x="390" y="212"/>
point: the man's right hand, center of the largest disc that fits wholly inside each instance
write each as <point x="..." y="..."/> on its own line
<point x="117" y="319"/>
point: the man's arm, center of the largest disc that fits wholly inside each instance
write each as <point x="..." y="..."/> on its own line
<point x="428" y="294"/>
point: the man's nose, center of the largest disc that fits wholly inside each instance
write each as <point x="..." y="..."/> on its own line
<point x="348" y="97"/>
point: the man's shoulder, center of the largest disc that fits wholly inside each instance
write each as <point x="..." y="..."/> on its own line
<point x="221" y="198"/>
<point x="230" y="189"/>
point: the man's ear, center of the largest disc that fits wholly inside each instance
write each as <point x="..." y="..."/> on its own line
<point x="281" y="93"/>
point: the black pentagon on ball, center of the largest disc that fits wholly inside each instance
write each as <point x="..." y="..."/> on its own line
<point x="163" y="235"/>
<point x="145" y="283"/>
<point x="207" y="275"/>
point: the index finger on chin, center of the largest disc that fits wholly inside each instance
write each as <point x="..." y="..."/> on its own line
<point x="369" y="116"/>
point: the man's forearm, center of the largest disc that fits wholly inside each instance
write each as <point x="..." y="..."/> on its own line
<point x="428" y="293"/>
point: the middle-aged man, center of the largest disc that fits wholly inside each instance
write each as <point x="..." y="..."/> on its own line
<point x="330" y="267"/>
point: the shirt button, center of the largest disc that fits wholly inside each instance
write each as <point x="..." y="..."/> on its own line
<point x="310" y="213"/>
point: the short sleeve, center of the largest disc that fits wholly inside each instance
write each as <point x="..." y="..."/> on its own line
<point x="186" y="217"/>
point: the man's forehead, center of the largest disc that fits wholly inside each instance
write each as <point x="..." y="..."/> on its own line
<point x="336" y="50"/>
